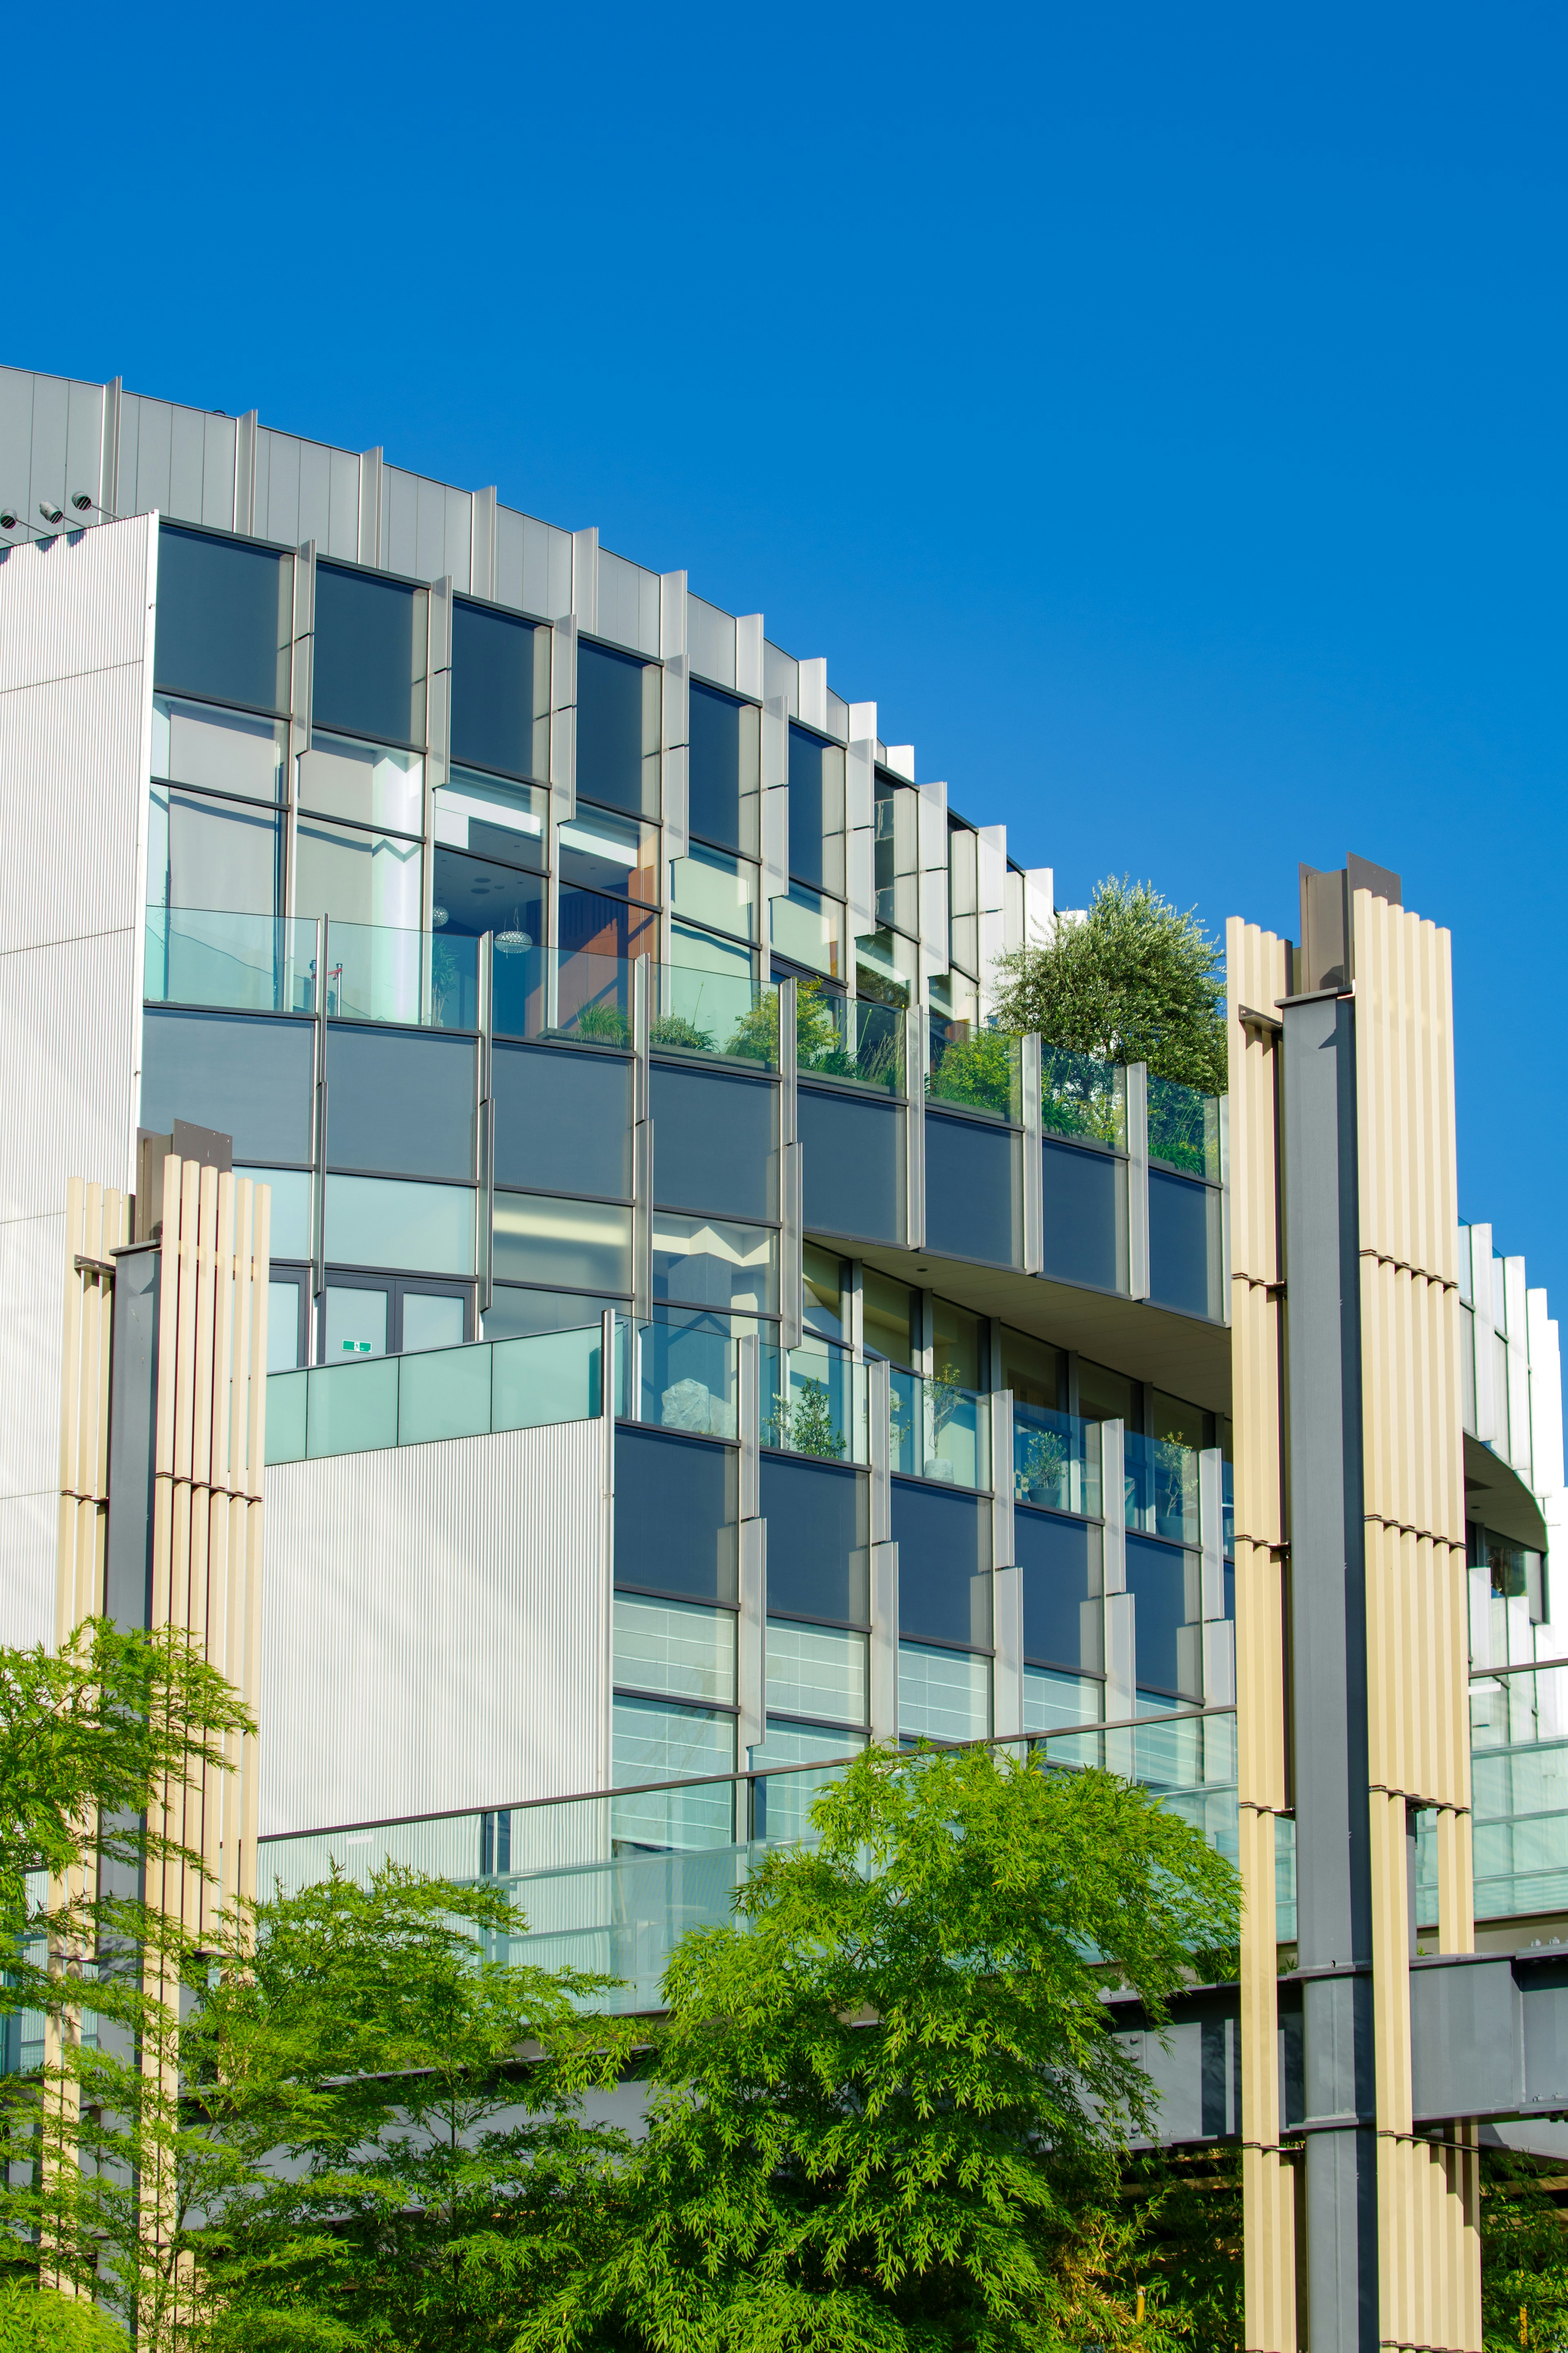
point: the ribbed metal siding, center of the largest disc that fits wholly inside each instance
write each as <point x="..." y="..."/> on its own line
<point x="435" y="1627"/>
<point x="177" y="459"/>
<point x="426" y="528"/>
<point x="305" y="489"/>
<point x="51" y="439"/>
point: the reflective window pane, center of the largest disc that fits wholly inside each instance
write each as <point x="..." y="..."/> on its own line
<point x="492" y="819"/>
<point x="432" y="1320"/>
<point x="943" y="1695"/>
<point x="375" y="1221"/>
<point x="217" y="751"/>
<point x="562" y="1121"/>
<point x="206" y="853"/>
<point x="225" y="619"/>
<point x="808" y="929"/>
<point x="817" y="1670"/>
<point x="471" y="896"/>
<point x="887" y="1317"/>
<point x="594" y="925"/>
<point x="290" y="1228"/>
<point x="615" y="855"/>
<point x="585" y="1244"/>
<point x="652" y="1741"/>
<point x="362" y="878"/>
<point x="369" y="783"/>
<point x="356" y="1322"/>
<point x="514" y="1312"/>
<point x="811" y="799"/>
<point x="369" y="655"/>
<point x="723" y="769"/>
<point x="500" y="690"/>
<point x="704" y="1263"/>
<point x="675" y="1515"/>
<point x="823" y="1303"/>
<point x="283" y="1350"/>
<point x="618" y="705"/>
<point x="719" y="890"/>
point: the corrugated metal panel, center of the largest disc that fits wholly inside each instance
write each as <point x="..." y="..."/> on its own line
<point x="74" y="740"/>
<point x="534" y="565"/>
<point x="307" y="489"/>
<point x="178" y="459"/>
<point x="710" y="639"/>
<point x="628" y="604"/>
<point x="32" y="1292"/>
<point x="70" y="1029"/>
<point x="51" y="438"/>
<point x="73" y="603"/>
<point x="436" y="1627"/>
<point x="426" y="528"/>
<point x="29" y="1526"/>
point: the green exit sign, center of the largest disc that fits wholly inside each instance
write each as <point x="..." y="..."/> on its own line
<point x="356" y="1347"/>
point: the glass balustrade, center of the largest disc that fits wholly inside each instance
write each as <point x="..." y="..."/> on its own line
<point x="980" y="1067"/>
<point x="856" y="1039"/>
<point x="427" y="980"/>
<point x="938" y="1430"/>
<point x="1183" y="1129"/>
<point x="1081" y="1097"/>
<point x="485" y="1386"/>
<point x="722" y="1016"/>
<point x="1056" y="1460"/>
<point x="1162" y="1478"/>
<point x="685" y="1376"/>
<point x="569" y="994"/>
<point x="233" y="963"/>
<point x="814" y="1402"/>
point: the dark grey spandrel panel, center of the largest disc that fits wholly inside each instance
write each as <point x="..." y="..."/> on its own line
<point x="217" y="623"/>
<point x="1179" y="1226"/>
<point x="713" y="1140"/>
<point x="1081" y="1211"/>
<point x="492" y="689"/>
<point x="675" y="1515"/>
<point x="1163" y="1579"/>
<point x="1060" y="1563"/>
<point x="818" y="1515"/>
<point x="562" y="1121"/>
<point x="609" y="728"/>
<point x="363" y="662"/>
<point x="247" y="1077"/>
<point x="852" y="1166"/>
<point x="944" y="1561"/>
<point x="400" y="1101"/>
<point x="713" y="768"/>
<point x="971" y="1187"/>
<point x="805" y="806"/>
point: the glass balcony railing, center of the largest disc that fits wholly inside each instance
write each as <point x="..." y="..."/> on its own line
<point x="1161" y="1479"/>
<point x="568" y="994"/>
<point x="1183" y="1129"/>
<point x="1056" y="1460"/>
<point x="467" y="1392"/>
<point x="611" y="1883"/>
<point x="814" y="1402"/>
<point x="1081" y="1097"/>
<point x="938" y="1430"/>
<point x="980" y="1067"/>
<point x="718" y="1015"/>
<point x="429" y="980"/>
<point x="234" y="963"/>
<point x="686" y="1376"/>
<point x="858" y="1040"/>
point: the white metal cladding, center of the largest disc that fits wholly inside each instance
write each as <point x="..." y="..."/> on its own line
<point x="534" y="565"/>
<point x="51" y="438"/>
<point x="29" y="1533"/>
<point x="426" y="529"/>
<point x="306" y="491"/>
<point x="627" y="603"/>
<point x="436" y="1627"/>
<point x="180" y="460"/>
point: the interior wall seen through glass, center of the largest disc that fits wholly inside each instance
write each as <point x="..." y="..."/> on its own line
<point x="585" y="1245"/>
<point x="1173" y="1418"/>
<point x="887" y="1317"/>
<point x="617" y="856"/>
<point x="1105" y="1396"/>
<point x="225" y="622"/>
<point x="492" y="819"/>
<point x="368" y="783"/>
<point x="514" y="1312"/>
<point x="357" y="876"/>
<point x="217" y="751"/>
<point x="592" y="924"/>
<point x="822" y="1307"/>
<point x="500" y="690"/>
<point x="562" y="1121"/>
<point x="1033" y="1370"/>
<point x="400" y="1101"/>
<point x="956" y="1340"/>
<point x="724" y="768"/>
<point x="618" y="708"/>
<point x="212" y="853"/>
<point x="369" y="655"/>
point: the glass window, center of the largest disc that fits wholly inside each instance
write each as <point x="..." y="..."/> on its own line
<point x="492" y="819"/>
<point x="357" y="1322"/>
<point x="1187" y="1425"/>
<point x="202" y="853"/>
<point x="714" y="1142"/>
<point x="592" y="924"/>
<point x="369" y="655"/>
<point x="887" y="1317"/>
<point x="616" y="856"/>
<point x="808" y="929"/>
<point x="562" y="1121"/>
<point x="217" y="751"/>
<point x="470" y="896"/>
<point x="823" y="1303"/>
<point x="432" y="1319"/>
<point x="943" y="1695"/>
<point x="724" y="768"/>
<point x="290" y="1227"/>
<point x="514" y="1312"/>
<point x="251" y="1080"/>
<point x="955" y="1345"/>
<point x="362" y="877"/>
<point x="884" y="968"/>
<point x="654" y="1741"/>
<point x="706" y="1264"/>
<point x="618" y="706"/>
<point x="687" y="1368"/>
<point x="586" y="1245"/>
<point x="500" y="690"/>
<point x="400" y="1100"/>
<point x="284" y="1335"/>
<point x="1051" y="1700"/>
<point x="1085" y="1215"/>
<point x="365" y="782"/>
<point x="816" y="805"/>
<point x="694" y="950"/>
<point x="1033" y="1370"/>
<point x="677" y="1647"/>
<point x="1164" y="1586"/>
<point x="1105" y="1396"/>
<point x="225" y="622"/>
<point x="675" y="1515"/>
<point x="1059" y="1565"/>
<point x="817" y="1670"/>
<point x="374" y="1221"/>
<point x="713" y="889"/>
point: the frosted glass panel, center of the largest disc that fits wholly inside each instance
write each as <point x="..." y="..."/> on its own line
<point x="376" y="1221"/>
<point x="290" y="1231"/>
<point x="817" y="1670"/>
<point x="943" y="1695"/>
<point x="675" y="1647"/>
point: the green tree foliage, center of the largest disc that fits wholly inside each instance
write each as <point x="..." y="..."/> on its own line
<point x="887" y="2105"/>
<point x="42" y="2320"/>
<point x="420" y="2088"/>
<point x="1524" y="2254"/>
<point x="1137" y="981"/>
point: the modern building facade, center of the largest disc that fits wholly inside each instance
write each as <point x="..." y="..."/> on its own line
<point x="694" y="1342"/>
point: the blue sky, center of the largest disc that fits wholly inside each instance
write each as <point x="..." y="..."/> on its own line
<point x="1158" y="412"/>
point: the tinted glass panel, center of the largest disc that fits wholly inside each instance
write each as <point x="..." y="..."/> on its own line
<point x="400" y="1101"/>
<point x="1059" y="1562"/>
<point x="471" y="896"/>
<point x="1178" y="1242"/>
<point x="818" y="1564"/>
<point x="711" y="1263"/>
<point x="513" y="1313"/>
<point x="853" y="1173"/>
<point x="675" y="1515"/>
<point x="1164" y="1582"/>
<point x="366" y="655"/>
<point x="587" y="1245"/>
<point x="611" y="731"/>
<point x="224" y="619"/>
<point x="562" y="1121"/>
<point x="715" y="765"/>
<point x="380" y="1221"/>
<point x="944" y="1560"/>
<point x="492" y="689"/>
<point x="251" y="1080"/>
<point x="713" y="1142"/>
<point x="1082" y="1215"/>
<point x="805" y="806"/>
<point x="970" y="1190"/>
